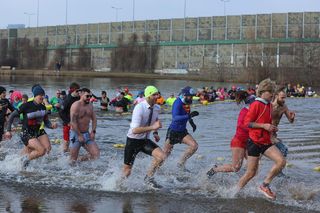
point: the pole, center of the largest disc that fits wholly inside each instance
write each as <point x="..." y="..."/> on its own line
<point x="38" y="15"/>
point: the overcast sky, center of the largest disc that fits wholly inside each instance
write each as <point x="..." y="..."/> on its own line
<point x="53" y="12"/>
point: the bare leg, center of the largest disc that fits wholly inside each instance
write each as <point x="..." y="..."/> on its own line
<point x="36" y="149"/>
<point x="192" y="148"/>
<point x="274" y="154"/>
<point x="252" y="167"/>
<point x="167" y="148"/>
<point x="45" y="142"/>
<point x="159" y="157"/>
<point x="127" y="170"/>
<point x="93" y="152"/>
<point x="66" y="146"/>
<point x="237" y="158"/>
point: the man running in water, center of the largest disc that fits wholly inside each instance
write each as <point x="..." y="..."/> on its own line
<point x="81" y="114"/>
<point x="144" y="120"/>
<point x="4" y="106"/>
<point x="239" y="141"/>
<point x="278" y="109"/>
<point x="64" y="113"/>
<point x="34" y="138"/>
<point x="177" y="132"/>
<point x="259" y="121"/>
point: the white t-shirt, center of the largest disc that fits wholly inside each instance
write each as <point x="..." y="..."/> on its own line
<point x="140" y="116"/>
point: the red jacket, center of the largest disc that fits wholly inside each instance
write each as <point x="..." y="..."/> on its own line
<point x="242" y="130"/>
<point x="259" y="112"/>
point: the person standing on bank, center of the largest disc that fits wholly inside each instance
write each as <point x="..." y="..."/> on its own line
<point x="81" y="113"/>
<point x="259" y="121"/>
<point x="33" y="136"/>
<point x="144" y="120"/>
<point x="177" y="131"/>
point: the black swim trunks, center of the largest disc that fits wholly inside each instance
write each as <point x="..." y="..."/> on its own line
<point x="174" y="137"/>
<point x="28" y="134"/>
<point x="134" y="146"/>
<point x="255" y="150"/>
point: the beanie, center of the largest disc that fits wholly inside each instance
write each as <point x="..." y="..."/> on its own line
<point x="150" y="90"/>
<point x="37" y="90"/>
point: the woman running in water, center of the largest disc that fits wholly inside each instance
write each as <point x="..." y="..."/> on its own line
<point x="239" y="141"/>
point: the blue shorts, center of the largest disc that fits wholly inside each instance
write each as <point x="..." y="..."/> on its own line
<point x="74" y="141"/>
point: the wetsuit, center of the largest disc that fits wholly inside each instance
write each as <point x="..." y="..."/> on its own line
<point x="65" y="114"/>
<point x="33" y="116"/>
<point x="5" y="103"/>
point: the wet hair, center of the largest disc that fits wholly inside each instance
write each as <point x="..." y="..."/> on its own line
<point x="85" y="90"/>
<point x="74" y="85"/>
<point x="25" y="96"/>
<point x="280" y="89"/>
<point x="265" y="85"/>
<point x="241" y="96"/>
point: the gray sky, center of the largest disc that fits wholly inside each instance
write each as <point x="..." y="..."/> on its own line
<point x="53" y="12"/>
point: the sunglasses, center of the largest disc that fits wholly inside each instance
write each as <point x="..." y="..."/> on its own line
<point x="88" y="96"/>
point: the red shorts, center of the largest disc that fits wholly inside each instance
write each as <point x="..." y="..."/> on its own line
<point x="66" y="132"/>
<point x="237" y="143"/>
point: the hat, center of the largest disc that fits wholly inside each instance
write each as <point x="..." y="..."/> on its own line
<point x="150" y="90"/>
<point x="187" y="91"/>
<point x="2" y="89"/>
<point x="63" y="92"/>
<point x="37" y="90"/>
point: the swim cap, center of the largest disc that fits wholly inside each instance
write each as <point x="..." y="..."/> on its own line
<point x="187" y="91"/>
<point x="150" y="90"/>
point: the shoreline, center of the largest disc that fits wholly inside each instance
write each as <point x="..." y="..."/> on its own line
<point x="83" y="74"/>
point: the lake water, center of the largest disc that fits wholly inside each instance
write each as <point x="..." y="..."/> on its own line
<point x="50" y="185"/>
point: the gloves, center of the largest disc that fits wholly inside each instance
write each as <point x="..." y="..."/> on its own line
<point x="193" y="114"/>
<point x="194" y="126"/>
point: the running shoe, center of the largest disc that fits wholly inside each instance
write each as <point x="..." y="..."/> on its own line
<point x="152" y="183"/>
<point x="211" y="172"/>
<point x="25" y="162"/>
<point x="265" y="189"/>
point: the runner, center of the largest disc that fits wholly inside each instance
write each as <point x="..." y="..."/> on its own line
<point x="64" y="113"/>
<point x="81" y="114"/>
<point x="259" y="121"/>
<point x="278" y="109"/>
<point x="177" y="131"/>
<point x="33" y="137"/>
<point x="144" y="120"/>
<point x="239" y="141"/>
<point x="4" y="106"/>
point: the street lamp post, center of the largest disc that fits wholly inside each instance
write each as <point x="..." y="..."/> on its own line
<point x="38" y="14"/>
<point x="66" y="12"/>
<point x="133" y="8"/>
<point x="224" y="6"/>
<point x="116" y="9"/>
<point x="184" y="20"/>
<point x="29" y="15"/>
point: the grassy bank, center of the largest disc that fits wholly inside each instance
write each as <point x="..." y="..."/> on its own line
<point x="94" y="74"/>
